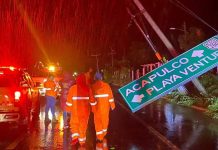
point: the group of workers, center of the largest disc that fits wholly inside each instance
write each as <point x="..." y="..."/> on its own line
<point x="78" y="99"/>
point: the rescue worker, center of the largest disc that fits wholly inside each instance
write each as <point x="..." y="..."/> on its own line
<point x="50" y="95"/>
<point x="79" y="101"/>
<point x="105" y="101"/>
<point x="65" y="84"/>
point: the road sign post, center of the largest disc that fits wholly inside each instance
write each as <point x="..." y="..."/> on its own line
<point x="171" y="75"/>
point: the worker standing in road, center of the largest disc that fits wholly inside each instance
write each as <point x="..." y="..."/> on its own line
<point x="65" y="84"/>
<point x="50" y="95"/>
<point x="80" y="100"/>
<point x="105" y="101"/>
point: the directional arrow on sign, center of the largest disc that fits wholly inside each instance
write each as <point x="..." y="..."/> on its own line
<point x="198" y="53"/>
<point x="137" y="98"/>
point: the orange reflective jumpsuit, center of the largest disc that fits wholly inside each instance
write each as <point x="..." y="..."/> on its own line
<point x="103" y="94"/>
<point x="50" y="98"/>
<point x="79" y="99"/>
<point x="50" y="87"/>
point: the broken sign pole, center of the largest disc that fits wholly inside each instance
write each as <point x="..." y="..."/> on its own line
<point x="167" y="43"/>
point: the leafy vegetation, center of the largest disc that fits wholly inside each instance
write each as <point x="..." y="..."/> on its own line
<point x="181" y="99"/>
<point x="210" y="82"/>
<point x="213" y="107"/>
<point x="187" y="40"/>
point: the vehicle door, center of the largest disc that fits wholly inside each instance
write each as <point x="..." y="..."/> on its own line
<point x="33" y="95"/>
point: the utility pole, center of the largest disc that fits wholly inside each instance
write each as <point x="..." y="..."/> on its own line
<point x="166" y="43"/>
<point x="146" y="36"/>
<point x="156" y="28"/>
<point x="112" y="53"/>
<point x="96" y="56"/>
<point x="181" y="89"/>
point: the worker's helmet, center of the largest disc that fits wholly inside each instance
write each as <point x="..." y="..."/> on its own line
<point x="98" y="76"/>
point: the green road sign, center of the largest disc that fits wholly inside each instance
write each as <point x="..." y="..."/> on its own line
<point x="171" y="75"/>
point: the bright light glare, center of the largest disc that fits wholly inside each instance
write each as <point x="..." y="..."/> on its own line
<point x="11" y="68"/>
<point x="75" y="73"/>
<point x="51" y="68"/>
<point x="17" y="95"/>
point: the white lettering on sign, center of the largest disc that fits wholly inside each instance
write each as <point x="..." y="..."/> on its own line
<point x="198" y="65"/>
<point x="172" y="78"/>
<point x="176" y="65"/>
<point x="136" y="87"/>
<point x="164" y="71"/>
<point x="164" y="83"/>
<point x="128" y="91"/>
<point x="184" y="72"/>
<point x="215" y="53"/>
<point x="152" y="77"/>
<point x="183" y="61"/>
<point x="192" y="68"/>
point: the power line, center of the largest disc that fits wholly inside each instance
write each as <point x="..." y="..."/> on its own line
<point x="145" y="34"/>
<point x="187" y="10"/>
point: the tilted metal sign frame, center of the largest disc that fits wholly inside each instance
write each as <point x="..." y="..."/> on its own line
<point x="134" y="106"/>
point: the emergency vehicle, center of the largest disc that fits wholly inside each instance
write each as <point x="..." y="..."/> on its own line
<point x="18" y="95"/>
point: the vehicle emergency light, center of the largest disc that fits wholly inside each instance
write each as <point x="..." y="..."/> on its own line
<point x="17" y="95"/>
<point x="51" y="68"/>
<point x="11" y="68"/>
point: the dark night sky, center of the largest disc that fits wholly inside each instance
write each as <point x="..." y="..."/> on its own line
<point x="166" y="14"/>
<point x="174" y="16"/>
<point x="69" y="31"/>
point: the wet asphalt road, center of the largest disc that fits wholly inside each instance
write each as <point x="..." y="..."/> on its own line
<point x="8" y="134"/>
<point x="124" y="133"/>
<point x="159" y="126"/>
<point x="185" y="127"/>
